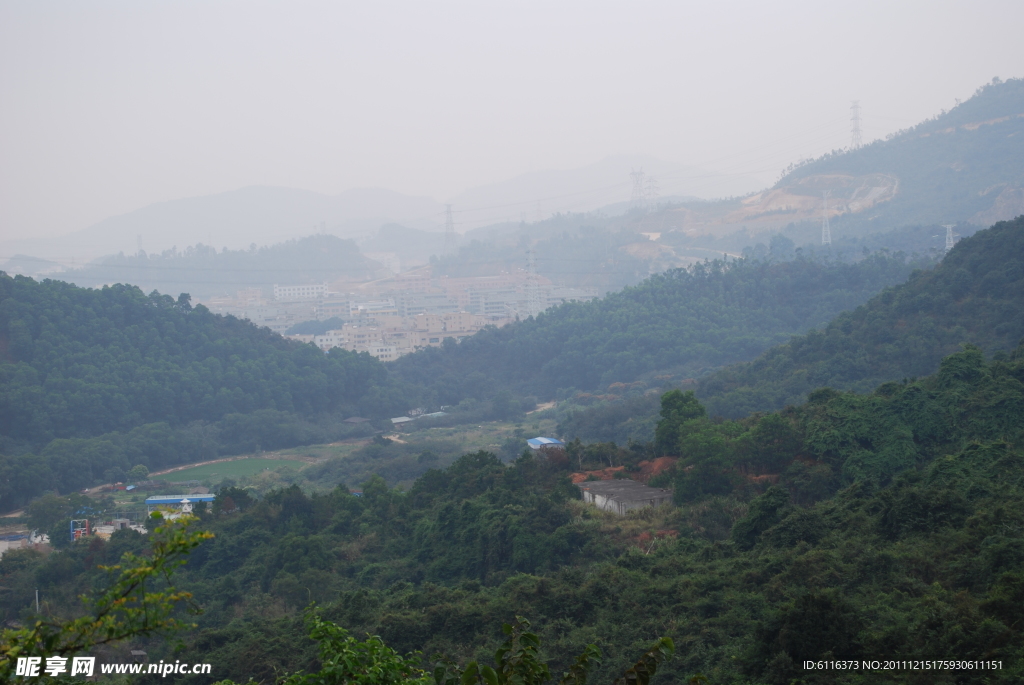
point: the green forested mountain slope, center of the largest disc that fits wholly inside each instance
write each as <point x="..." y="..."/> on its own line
<point x="95" y="381"/>
<point x="684" y="321"/>
<point x="965" y="165"/>
<point x="80" y="362"/>
<point x="975" y="295"/>
<point x="893" y="530"/>
<point x="112" y="378"/>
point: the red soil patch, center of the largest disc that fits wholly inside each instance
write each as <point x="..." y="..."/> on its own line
<point x="603" y="474"/>
<point x="649" y="469"/>
<point x="772" y="478"/>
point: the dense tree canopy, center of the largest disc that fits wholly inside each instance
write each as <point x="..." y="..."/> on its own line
<point x="974" y="296"/>
<point x="80" y="362"/>
<point x="853" y="526"/>
<point x="684" y="321"/>
<point x="95" y="382"/>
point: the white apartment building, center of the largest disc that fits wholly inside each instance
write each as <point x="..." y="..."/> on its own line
<point x="309" y="291"/>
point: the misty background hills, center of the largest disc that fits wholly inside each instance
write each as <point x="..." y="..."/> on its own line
<point x="265" y="215"/>
<point x="964" y="167"/>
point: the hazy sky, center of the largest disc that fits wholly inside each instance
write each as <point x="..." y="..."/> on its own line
<point x="109" y="106"/>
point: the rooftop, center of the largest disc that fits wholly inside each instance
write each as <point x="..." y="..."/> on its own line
<point x="175" y="499"/>
<point x="624" y="490"/>
<point x="537" y="443"/>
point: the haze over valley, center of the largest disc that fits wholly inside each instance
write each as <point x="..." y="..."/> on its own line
<point x="454" y="343"/>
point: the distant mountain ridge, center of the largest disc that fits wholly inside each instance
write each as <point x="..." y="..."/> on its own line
<point x="203" y="271"/>
<point x="605" y="184"/>
<point x="236" y="219"/>
<point x="964" y="166"/>
<point x="265" y="215"/>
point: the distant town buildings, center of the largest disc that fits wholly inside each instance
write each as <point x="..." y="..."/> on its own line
<point x="394" y="316"/>
<point x="388" y="337"/>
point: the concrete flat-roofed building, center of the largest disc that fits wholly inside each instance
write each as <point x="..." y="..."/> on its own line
<point x="176" y="501"/>
<point x="620" y="496"/>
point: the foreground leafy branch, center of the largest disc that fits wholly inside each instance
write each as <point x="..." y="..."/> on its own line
<point x="346" y="660"/>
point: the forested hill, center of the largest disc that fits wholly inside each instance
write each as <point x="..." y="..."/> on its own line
<point x="204" y="272"/>
<point x="895" y="529"/>
<point x="965" y="165"/>
<point x="150" y="374"/>
<point x="975" y="295"/>
<point x="683" y="321"/>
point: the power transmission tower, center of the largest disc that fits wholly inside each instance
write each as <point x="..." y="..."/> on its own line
<point x="636" y="200"/>
<point x="826" y="232"/>
<point x="651" y="191"/>
<point x="949" y="236"/>
<point x="855" y="141"/>
<point x="533" y="307"/>
<point x="449" y="231"/>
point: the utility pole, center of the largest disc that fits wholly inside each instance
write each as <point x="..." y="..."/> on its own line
<point x="636" y="200"/>
<point x="826" y="232"/>
<point x="855" y="141"/>
<point x="449" y="232"/>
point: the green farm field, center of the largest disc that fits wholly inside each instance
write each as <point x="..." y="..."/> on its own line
<point x="239" y="468"/>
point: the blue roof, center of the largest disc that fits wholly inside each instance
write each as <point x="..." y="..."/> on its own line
<point x="537" y="443"/>
<point x="176" y="499"/>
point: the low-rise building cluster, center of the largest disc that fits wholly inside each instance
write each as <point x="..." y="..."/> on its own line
<point x="389" y="338"/>
<point x="394" y="316"/>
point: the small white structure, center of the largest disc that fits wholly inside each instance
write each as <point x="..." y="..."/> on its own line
<point x="105" y="530"/>
<point x="620" y="496"/>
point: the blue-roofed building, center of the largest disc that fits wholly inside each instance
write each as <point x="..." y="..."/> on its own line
<point x="538" y="443"/>
<point x="176" y="501"/>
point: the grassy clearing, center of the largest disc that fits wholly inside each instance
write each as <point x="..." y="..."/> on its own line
<point x="328" y="451"/>
<point x="239" y="468"/>
<point x="353" y="461"/>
